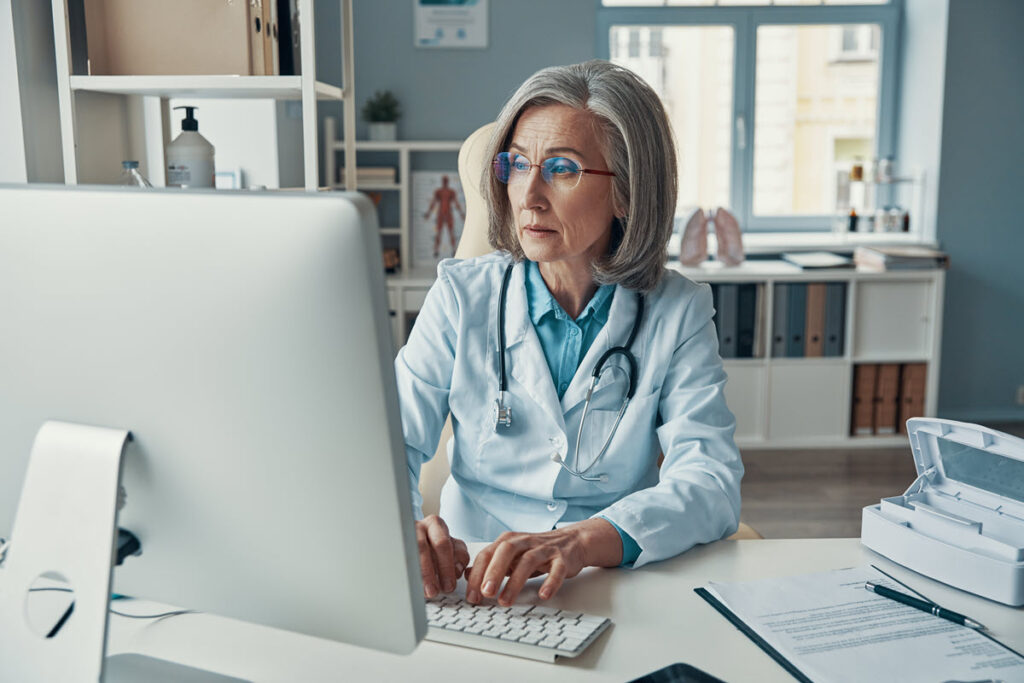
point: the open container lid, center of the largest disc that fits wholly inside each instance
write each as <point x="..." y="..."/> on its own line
<point x="970" y="463"/>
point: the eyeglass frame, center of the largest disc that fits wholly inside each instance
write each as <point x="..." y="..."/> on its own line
<point x="494" y="164"/>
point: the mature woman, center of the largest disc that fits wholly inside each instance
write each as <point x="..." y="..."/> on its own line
<point x="559" y="471"/>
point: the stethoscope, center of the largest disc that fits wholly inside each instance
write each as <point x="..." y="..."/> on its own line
<point x="503" y="413"/>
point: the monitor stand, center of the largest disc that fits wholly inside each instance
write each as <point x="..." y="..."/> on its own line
<point x="64" y="538"/>
<point x="65" y="529"/>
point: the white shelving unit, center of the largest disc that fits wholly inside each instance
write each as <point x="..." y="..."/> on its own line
<point x="891" y="317"/>
<point x="160" y="89"/>
<point x="404" y="149"/>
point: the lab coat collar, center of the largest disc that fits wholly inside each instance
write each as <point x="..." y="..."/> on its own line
<point x="524" y="359"/>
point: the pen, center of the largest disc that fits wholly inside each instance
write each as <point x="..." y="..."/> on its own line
<point x="924" y="606"/>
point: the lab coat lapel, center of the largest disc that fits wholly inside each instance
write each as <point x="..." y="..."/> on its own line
<point x="614" y="333"/>
<point x="525" y="359"/>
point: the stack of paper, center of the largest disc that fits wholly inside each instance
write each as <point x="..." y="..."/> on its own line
<point x="827" y="627"/>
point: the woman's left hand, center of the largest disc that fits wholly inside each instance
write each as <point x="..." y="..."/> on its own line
<point x="560" y="553"/>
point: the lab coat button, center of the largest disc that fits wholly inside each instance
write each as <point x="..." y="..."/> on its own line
<point x="552" y="506"/>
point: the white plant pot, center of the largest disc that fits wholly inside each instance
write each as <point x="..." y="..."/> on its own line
<point x="384" y="131"/>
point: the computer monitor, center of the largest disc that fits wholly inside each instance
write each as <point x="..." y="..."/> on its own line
<point x="244" y="341"/>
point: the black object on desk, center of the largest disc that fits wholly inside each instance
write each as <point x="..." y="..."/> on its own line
<point x="678" y="673"/>
<point x="924" y="606"/>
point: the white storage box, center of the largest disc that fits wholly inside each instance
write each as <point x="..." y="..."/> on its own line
<point x="962" y="520"/>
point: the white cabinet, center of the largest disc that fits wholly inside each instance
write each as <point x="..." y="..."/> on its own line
<point x="799" y="402"/>
<point x="894" y="320"/>
<point x="808" y="400"/>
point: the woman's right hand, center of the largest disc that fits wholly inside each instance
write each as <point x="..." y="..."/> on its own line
<point x="443" y="559"/>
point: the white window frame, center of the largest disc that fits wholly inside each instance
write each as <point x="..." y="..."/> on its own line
<point x="745" y="21"/>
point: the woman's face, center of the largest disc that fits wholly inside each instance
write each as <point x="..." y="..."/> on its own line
<point x="570" y="226"/>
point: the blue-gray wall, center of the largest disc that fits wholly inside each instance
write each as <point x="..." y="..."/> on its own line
<point x="448" y="93"/>
<point x="981" y="211"/>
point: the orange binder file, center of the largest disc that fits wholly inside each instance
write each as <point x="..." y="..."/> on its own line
<point x="912" y="385"/>
<point x="887" y="390"/>
<point x="861" y="420"/>
<point x="814" y="333"/>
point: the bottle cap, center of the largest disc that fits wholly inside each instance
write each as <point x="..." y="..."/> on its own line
<point x="189" y="122"/>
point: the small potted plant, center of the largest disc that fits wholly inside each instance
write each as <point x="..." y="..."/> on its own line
<point x="382" y="111"/>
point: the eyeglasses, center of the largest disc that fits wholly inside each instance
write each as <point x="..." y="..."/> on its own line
<point x="558" y="172"/>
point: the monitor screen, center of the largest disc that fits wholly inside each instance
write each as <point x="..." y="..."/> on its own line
<point x="243" y="339"/>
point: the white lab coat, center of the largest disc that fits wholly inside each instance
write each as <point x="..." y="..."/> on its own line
<point x="506" y="480"/>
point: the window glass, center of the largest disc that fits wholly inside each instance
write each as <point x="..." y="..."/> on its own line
<point x="815" y="104"/>
<point x="692" y="72"/>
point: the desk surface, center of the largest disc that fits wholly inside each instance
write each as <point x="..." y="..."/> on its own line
<point x="658" y="619"/>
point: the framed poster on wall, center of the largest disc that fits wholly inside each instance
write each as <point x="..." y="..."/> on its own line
<point x="438" y="212"/>
<point x="451" y="23"/>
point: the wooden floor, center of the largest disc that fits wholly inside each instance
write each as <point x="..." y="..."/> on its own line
<point x="820" y="493"/>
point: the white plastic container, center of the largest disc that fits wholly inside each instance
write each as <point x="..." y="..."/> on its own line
<point x="962" y="520"/>
<point x="190" y="156"/>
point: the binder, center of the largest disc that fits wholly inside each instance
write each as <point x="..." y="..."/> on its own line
<point x="835" y="318"/>
<point x="746" y="320"/>
<point x="289" y="53"/>
<point x="271" y="61"/>
<point x="797" y="313"/>
<point x="780" y="320"/>
<point x="864" y="377"/>
<point x="912" y="385"/>
<point x="728" y="304"/>
<point x="257" y="65"/>
<point x="887" y="389"/>
<point x="814" y="331"/>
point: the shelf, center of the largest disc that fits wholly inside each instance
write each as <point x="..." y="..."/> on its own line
<point x="206" y="87"/>
<point x="391" y="231"/>
<point x="409" y="145"/>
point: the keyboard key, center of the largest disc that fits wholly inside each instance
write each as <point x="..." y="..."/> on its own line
<point x="519" y="610"/>
<point x="541" y="611"/>
<point x="570" y="615"/>
<point x="531" y="638"/>
<point x="571" y="644"/>
<point x="551" y="641"/>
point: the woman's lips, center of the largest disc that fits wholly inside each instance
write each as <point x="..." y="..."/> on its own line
<point x="538" y="231"/>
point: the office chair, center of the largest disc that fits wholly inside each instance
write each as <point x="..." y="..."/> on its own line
<point x="473" y="242"/>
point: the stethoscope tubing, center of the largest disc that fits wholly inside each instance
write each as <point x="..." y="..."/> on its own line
<point x="503" y="414"/>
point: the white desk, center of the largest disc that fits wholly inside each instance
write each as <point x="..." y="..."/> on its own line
<point x="658" y="619"/>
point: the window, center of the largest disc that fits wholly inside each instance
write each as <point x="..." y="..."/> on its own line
<point x="771" y="101"/>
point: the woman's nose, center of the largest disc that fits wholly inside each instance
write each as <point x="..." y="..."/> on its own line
<point x="534" y="189"/>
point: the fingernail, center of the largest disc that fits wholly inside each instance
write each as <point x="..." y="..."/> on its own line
<point x="473" y="596"/>
<point x="545" y="593"/>
<point x="449" y="586"/>
<point x="460" y="569"/>
<point x="430" y="590"/>
<point x="489" y="589"/>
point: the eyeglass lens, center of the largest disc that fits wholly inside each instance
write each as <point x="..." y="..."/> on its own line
<point x="556" y="171"/>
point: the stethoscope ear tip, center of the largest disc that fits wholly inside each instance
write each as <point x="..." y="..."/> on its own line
<point x="603" y="478"/>
<point x="556" y="457"/>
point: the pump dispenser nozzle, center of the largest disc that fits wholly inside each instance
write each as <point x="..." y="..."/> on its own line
<point x="189" y="122"/>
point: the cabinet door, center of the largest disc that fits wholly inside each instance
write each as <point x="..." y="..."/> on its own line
<point x="893" y="320"/>
<point x="808" y="398"/>
<point x="744" y="394"/>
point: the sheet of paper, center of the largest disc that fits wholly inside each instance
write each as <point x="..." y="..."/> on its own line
<point x="834" y="630"/>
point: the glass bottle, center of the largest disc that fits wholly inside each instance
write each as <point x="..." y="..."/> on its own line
<point x="130" y="175"/>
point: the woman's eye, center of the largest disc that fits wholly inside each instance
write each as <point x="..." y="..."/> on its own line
<point x="563" y="167"/>
<point x="520" y="164"/>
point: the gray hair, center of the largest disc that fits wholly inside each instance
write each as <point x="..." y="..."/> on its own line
<point x="639" y="148"/>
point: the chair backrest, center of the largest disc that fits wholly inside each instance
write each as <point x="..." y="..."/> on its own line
<point x="473" y="242"/>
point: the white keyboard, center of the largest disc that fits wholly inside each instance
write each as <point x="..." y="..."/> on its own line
<point x="534" y="632"/>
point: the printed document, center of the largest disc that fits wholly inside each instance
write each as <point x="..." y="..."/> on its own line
<point x="834" y="630"/>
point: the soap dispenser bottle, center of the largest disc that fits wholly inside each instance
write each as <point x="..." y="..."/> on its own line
<point x="190" y="156"/>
